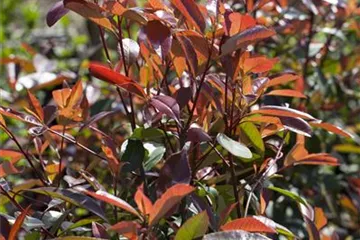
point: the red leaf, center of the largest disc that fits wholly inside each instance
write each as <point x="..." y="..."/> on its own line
<point x="245" y="38"/>
<point x="159" y="36"/>
<point x="168" y="200"/>
<point x="235" y="23"/>
<point x="18" y="223"/>
<point x="190" y="53"/>
<point x="89" y="10"/>
<point x="279" y="111"/>
<point x="112" y="200"/>
<point x="108" y="147"/>
<point x="331" y="128"/>
<point x="143" y="202"/>
<point x="318" y="159"/>
<point x="286" y="93"/>
<point x="191" y="12"/>
<point x="258" y="64"/>
<point x="168" y="106"/>
<point x="110" y="76"/>
<point x="282" y="79"/>
<point x="248" y="224"/>
<point x="36" y="106"/>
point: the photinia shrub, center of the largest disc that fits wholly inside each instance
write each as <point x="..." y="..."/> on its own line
<point x="186" y="130"/>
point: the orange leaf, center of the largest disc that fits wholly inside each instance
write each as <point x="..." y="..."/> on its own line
<point x="283" y="79"/>
<point x="318" y="159"/>
<point x="191" y="12"/>
<point x="286" y="93"/>
<point x="235" y="22"/>
<point x="168" y="200"/>
<point x="18" y="223"/>
<point x="35" y="105"/>
<point x="110" y="76"/>
<point x="109" y="149"/>
<point x="258" y="64"/>
<point x="112" y="200"/>
<point x="126" y="228"/>
<point x="248" y="224"/>
<point x="61" y="97"/>
<point x="320" y="218"/>
<point x="331" y="128"/>
<point x="143" y="202"/>
<point x="89" y="10"/>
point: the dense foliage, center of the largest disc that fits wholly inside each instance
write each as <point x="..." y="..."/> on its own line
<point x="180" y="120"/>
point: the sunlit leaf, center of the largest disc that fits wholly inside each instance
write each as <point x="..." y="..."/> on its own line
<point x="283" y="112"/>
<point x="143" y="202"/>
<point x="18" y="223"/>
<point x="286" y="93"/>
<point x="194" y="227"/>
<point x="235" y="148"/>
<point x="253" y="135"/>
<point x="234" y="235"/>
<point x="248" y="224"/>
<point x="191" y="12"/>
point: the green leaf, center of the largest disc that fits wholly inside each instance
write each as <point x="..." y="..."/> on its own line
<point x="141" y="133"/>
<point x="235" y="148"/>
<point x="134" y="155"/>
<point x="156" y="153"/>
<point x="347" y="148"/>
<point x="81" y="223"/>
<point x="289" y="194"/>
<point x="194" y="227"/>
<point x="253" y="135"/>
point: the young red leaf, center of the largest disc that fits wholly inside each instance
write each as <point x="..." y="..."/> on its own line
<point x="143" y="202"/>
<point x="108" y="147"/>
<point x="110" y="76"/>
<point x="18" y="223"/>
<point x="127" y="228"/>
<point x="159" y="36"/>
<point x="89" y="10"/>
<point x="258" y="64"/>
<point x="248" y="224"/>
<point x="286" y="93"/>
<point x="191" y="12"/>
<point x="112" y="200"/>
<point x="282" y="79"/>
<point x="168" y="106"/>
<point x="56" y="12"/>
<point x="235" y="23"/>
<point x="331" y="128"/>
<point x="35" y="105"/>
<point x="245" y="38"/>
<point x="168" y="200"/>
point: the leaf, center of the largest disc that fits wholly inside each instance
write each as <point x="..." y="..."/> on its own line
<point x="78" y="238"/>
<point x="19" y="116"/>
<point x="18" y="223"/>
<point x="110" y="76"/>
<point x="245" y="38"/>
<point x="91" y="11"/>
<point x="99" y="231"/>
<point x="154" y="156"/>
<point x="56" y="12"/>
<point x="320" y="218"/>
<point x="112" y="200"/>
<point x="143" y="202"/>
<point x="234" y="235"/>
<point x="191" y="12"/>
<point x="134" y="155"/>
<point x="235" y="148"/>
<point x="297" y="125"/>
<point x="189" y="53"/>
<point x="73" y="197"/>
<point x="131" y="50"/>
<point x="109" y="148"/>
<point x="282" y="79"/>
<point x="194" y="227"/>
<point x="279" y="111"/>
<point x="235" y="23"/>
<point x="168" y="200"/>
<point x="289" y="194"/>
<point x="168" y="106"/>
<point x="253" y="135"/>
<point x="286" y="93"/>
<point x="197" y="134"/>
<point x="347" y="148"/>
<point x="126" y="228"/>
<point x="258" y="64"/>
<point x="248" y="224"/>
<point x="331" y="128"/>
<point x="159" y="36"/>
<point x="318" y="159"/>
<point x="35" y="105"/>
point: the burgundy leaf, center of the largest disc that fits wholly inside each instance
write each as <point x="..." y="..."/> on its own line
<point x="99" y="230"/>
<point x="183" y="96"/>
<point x="297" y="125"/>
<point x="196" y="134"/>
<point x="189" y="51"/>
<point x="56" y="12"/>
<point x="168" y="106"/>
<point x="159" y="36"/>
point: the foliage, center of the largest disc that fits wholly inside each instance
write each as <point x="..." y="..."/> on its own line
<point x="213" y="120"/>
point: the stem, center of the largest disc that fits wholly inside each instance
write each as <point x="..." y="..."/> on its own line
<point x="27" y="157"/>
<point x="61" y="157"/>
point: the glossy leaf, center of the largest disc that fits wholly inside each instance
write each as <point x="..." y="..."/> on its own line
<point x="245" y="38"/>
<point x="279" y="111"/>
<point x="143" y="202"/>
<point x="56" y="12"/>
<point x="110" y="76"/>
<point x="234" y="235"/>
<point x="297" y="125"/>
<point x="282" y="79"/>
<point x="131" y="50"/>
<point x="194" y="227"/>
<point x="168" y="200"/>
<point x="248" y="224"/>
<point x="235" y="148"/>
<point x="286" y="93"/>
<point x="253" y="135"/>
